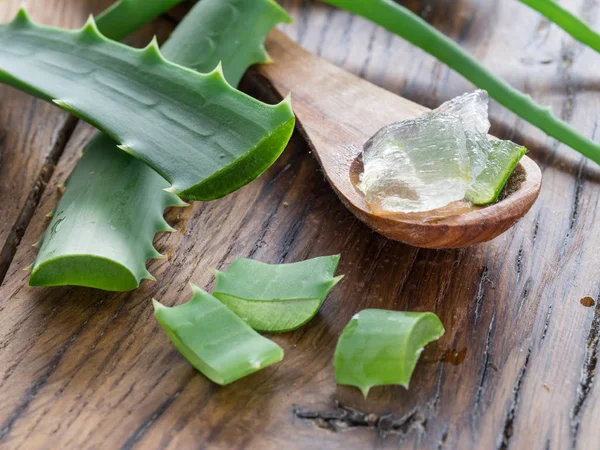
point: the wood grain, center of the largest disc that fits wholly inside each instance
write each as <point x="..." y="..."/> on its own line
<point x="83" y="369"/>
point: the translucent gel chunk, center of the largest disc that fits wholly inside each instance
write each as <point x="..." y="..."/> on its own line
<point x="416" y="165"/>
<point x="472" y="109"/>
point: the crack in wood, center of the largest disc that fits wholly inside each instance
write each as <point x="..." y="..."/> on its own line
<point x="546" y="323"/>
<point x="480" y="295"/>
<point x="484" y="372"/>
<point x="588" y="374"/>
<point x="511" y="414"/>
<point x="577" y="195"/>
<point x="443" y="437"/>
<point x="345" y="418"/>
<point x="524" y="294"/>
<point x="519" y="262"/>
<point x="18" y="230"/>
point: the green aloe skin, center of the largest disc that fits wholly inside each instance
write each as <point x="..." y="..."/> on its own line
<point x="101" y="231"/>
<point x="277" y="297"/>
<point x="380" y="347"/>
<point x="88" y="199"/>
<point x="502" y="160"/>
<point x="202" y="135"/>
<point x="215" y="340"/>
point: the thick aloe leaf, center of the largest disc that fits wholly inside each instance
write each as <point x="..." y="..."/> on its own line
<point x="215" y="340"/>
<point x="277" y="297"/>
<point x="202" y="135"/>
<point x="101" y="231"/>
<point x="502" y="160"/>
<point x="380" y="347"/>
<point x="49" y="269"/>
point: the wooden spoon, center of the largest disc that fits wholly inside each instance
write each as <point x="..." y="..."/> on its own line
<point x="338" y="112"/>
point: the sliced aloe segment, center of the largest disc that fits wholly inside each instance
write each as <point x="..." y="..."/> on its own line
<point x="104" y="243"/>
<point x="277" y="297"/>
<point x="380" y="347"/>
<point x="215" y="340"/>
<point x="502" y="160"/>
<point x="202" y="135"/>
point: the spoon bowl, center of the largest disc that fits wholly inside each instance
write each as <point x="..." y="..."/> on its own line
<point x="338" y="112"/>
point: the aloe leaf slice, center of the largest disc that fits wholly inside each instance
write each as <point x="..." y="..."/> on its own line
<point x="122" y="251"/>
<point x="277" y="297"/>
<point x="502" y="160"/>
<point x="380" y="347"/>
<point x="215" y="340"/>
<point x="202" y="135"/>
<point x="105" y="242"/>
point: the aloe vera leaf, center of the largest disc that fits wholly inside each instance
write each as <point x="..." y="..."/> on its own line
<point x="277" y="297"/>
<point x="502" y="160"/>
<point x="102" y="228"/>
<point x="202" y="135"/>
<point x="380" y="347"/>
<point x="402" y="22"/>
<point x="215" y="340"/>
<point x="566" y="20"/>
<point x="139" y="209"/>
<point x="125" y="16"/>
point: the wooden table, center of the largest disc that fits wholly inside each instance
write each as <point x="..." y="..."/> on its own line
<point x="81" y="368"/>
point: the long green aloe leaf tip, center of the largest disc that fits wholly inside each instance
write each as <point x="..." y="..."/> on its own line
<point x="201" y="134"/>
<point x="380" y="347"/>
<point x="277" y="297"/>
<point x="215" y="340"/>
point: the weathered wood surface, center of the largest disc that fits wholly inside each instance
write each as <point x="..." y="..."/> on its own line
<point x="83" y="369"/>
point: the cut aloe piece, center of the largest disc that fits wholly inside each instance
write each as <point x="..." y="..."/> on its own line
<point x="104" y="243"/>
<point x="121" y="259"/>
<point x="277" y="297"/>
<point x="215" y="340"/>
<point x="380" y="347"/>
<point x="502" y="160"/>
<point x="202" y="135"/>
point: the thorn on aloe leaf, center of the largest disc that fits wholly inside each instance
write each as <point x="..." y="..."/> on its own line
<point x="148" y="276"/>
<point x="90" y="29"/>
<point x="28" y="268"/>
<point x="37" y="244"/>
<point x="50" y="214"/>
<point x="218" y="72"/>
<point x="22" y="18"/>
<point x="167" y="229"/>
<point x="64" y="105"/>
<point x="155" y="254"/>
<point x="152" y="52"/>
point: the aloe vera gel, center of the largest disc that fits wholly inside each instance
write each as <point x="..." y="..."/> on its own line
<point x="441" y="157"/>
